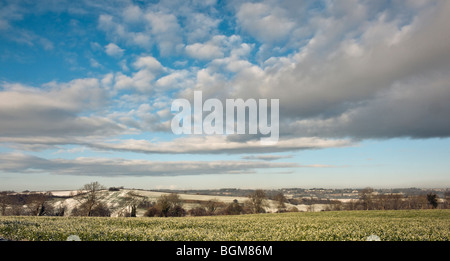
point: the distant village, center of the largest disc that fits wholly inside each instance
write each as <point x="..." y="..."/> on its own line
<point x="319" y="194"/>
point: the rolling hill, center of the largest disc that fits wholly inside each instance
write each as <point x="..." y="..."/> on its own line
<point x="116" y="201"/>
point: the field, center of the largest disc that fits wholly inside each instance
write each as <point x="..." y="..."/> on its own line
<point x="398" y="225"/>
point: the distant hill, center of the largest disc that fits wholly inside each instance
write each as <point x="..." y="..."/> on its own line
<point x="116" y="200"/>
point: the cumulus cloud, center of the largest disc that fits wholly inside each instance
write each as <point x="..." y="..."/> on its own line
<point x="132" y="13"/>
<point x="166" y="30"/>
<point x="415" y="108"/>
<point x="357" y="69"/>
<point x="177" y="79"/>
<point x="147" y="69"/>
<point x="374" y="78"/>
<point x="206" y="51"/>
<point x="199" y="27"/>
<point x="113" y="50"/>
<point x="266" y="22"/>
<point x="148" y="62"/>
<point x="117" y="31"/>
<point x="219" y="46"/>
<point x="53" y="112"/>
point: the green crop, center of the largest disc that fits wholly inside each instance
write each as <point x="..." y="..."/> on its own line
<point x="398" y="225"/>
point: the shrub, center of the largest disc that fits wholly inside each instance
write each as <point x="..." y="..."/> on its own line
<point x="293" y="209"/>
<point x="176" y="211"/>
<point x="167" y="206"/>
<point x="233" y="208"/>
<point x="153" y="211"/>
<point x="100" y="210"/>
<point x="198" y="211"/>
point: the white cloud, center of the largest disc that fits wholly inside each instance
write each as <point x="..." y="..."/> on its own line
<point x="148" y="62"/>
<point x="220" y="144"/>
<point x="142" y="80"/>
<point x="206" y="51"/>
<point x="344" y="56"/>
<point x="219" y="46"/>
<point x="94" y="63"/>
<point x="336" y="71"/>
<point x="178" y="79"/>
<point x="266" y="157"/>
<point x="114" y="167"/>
<point x="120" y="32"/>
<point x="265" y="22"/>
<point x="199" y="27"/>
<point x="166" y="30"/>
<point x="33" y="115"/>
<point x="113" y="50"/>
<point x="132" y="14"/>
<point x="348" y="64"/>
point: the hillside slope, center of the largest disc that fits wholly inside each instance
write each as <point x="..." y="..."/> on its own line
<point x="117" y="201"/>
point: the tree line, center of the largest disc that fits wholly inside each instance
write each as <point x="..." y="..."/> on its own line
<point x="172" y="205"/>
<point x="370" y="200"/>
<point x="91" y="202"/>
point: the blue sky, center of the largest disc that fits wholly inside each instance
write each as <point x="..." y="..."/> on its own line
<point x="86" y="89"/>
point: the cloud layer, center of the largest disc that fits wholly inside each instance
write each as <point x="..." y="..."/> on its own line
<point x="219" y="145"/>
<point x="21" y="163"/>
<point x="344" y="71"/>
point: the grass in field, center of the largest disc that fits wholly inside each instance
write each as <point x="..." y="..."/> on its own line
<point x="417" y="225"/>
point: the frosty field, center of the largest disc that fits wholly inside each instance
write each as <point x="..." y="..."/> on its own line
<point x="398" y="225"/>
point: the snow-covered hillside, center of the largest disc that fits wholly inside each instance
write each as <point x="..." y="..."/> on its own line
<point x="117" y="201"/>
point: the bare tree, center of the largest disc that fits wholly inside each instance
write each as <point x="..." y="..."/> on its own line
<point x="336" y="205"/>
<point x="280" y="199"/>
<point x="233" y="208"/>
<point x="395" y="201"/>
<point x="417" y="202"/>
<point x="167" y="206"/>
<point x="366" y="198"/>
<point x="133" y="200"/>
<point x="257" y="201"/>
<point x="171" y="205"/>
<point x="198" y="211"/>
<point x="212" y="206"/>
<point x="89" y="197"/>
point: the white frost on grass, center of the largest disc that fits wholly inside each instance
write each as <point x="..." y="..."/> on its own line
<point x="373" y="238"/>
<point x="73" y="238"/>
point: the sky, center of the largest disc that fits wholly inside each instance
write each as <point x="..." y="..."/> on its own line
<point x="86" y="89"/>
